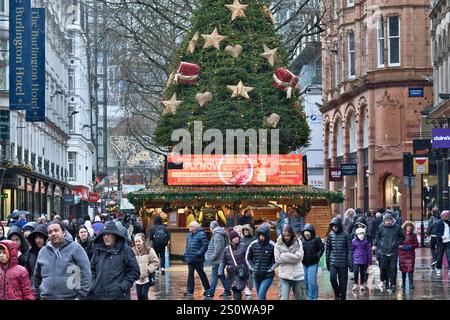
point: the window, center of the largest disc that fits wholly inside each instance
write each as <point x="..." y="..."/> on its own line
<point x="2" y="5"/>
<point x="72" y="166"/>
<point x="350" y="3"/>
<point x="380" y="42"/>
<point x="339" y="139"/>
<point x="336" y="70"/>
<point x="71" y="80"/>
<point x="394" y="41"/>
<point x="352" y="132"/>
<point x="335" y="9"/>
<point x="351" y="56"/>
<point x="71" y="119"/>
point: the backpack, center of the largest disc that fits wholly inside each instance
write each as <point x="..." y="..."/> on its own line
<point x="160" y="239"/>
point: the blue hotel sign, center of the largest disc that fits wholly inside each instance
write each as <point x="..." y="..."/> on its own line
<point x="20" y="54"/>
<point x="36" y="112"/>
<point x="415" y="92"/>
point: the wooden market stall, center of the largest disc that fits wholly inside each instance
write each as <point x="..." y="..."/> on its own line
<point x="262" y="201"/>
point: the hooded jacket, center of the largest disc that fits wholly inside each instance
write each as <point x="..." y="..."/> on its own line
<point x="56" y="268"/>
<point x="148" y="263"/>
<point x="216" y="246"/>
<point x="246" y="240"/>
<point x="24" y="246"/>
<point x="407" y="250"/>
<point x="339" y="251"/>
<point x="388" y="238"/>
<point x="4" y="235"/>
<point x="313" y="249"/>
<point x="226" y="260"/>
<point x="359" y="221"/>
<point x="289" y="259"/>
<point x="114" y="270"/>
<point x="260" y="256"/>
<point x="15" y="283"/>
<point x="32" y="256"/>
<point x="196" y="247"/>
<point x="432" y="225"/>
<point x="158" y="226"/>
<point x="362" y="251"/>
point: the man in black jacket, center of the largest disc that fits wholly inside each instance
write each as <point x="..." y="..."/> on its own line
<point x="431" y="232"/>
<point x="339" y="258"/>
<point x="389" y="237"/>
<point x="160" y="238"/>
<point x="114" y="265"/>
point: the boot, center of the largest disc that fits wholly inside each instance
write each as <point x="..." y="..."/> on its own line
<point x="411" y="285"/>
<point x="403" y="284"/>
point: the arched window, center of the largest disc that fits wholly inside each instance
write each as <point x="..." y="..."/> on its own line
<point x="352" y="132"/>
<point x="339" y="138"/>
<point x="365" y="130"/>
<point x="392" y="192"/>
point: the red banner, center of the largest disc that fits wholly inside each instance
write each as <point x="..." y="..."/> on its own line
<point x="94" y="197"/>
<point x="234" y="169"/>
<point x="82" y="192"/>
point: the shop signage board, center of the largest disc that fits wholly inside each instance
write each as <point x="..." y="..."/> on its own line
<point x="335" y="174"/>
<point x="421" y="165"/>
<point x="349" y="169"/>
<point x="441" y="138"/>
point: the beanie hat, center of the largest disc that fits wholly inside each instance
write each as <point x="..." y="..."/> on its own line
<point x="360" y="230"/>
<point x="213" y="225"/>
<point x="445" y="214"/>
<point x="97" y="219"/>
<point x="233" y="234"/>
<point x="194" y="224"/>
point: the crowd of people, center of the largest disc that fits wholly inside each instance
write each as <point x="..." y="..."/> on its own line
<point x="98" y="260"/>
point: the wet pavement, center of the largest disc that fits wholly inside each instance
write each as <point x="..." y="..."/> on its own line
<point x="428" y="285"/>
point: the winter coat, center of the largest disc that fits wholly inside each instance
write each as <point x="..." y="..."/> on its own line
<point x="339" y="250"/>
<point x="148" y="263"/>
<point x="114" y="270"/>
<point x="440" y="230"/>
<point x="196" y="246"/>
<point x="55" y="268"/>
<point x="15" y="283"/>
<point x="24" y="246"/>
<point x="296" y="221"/>
<point x="282" y="220"/>
<point x="407" y="252"/>
<point x="388" y="238"/>
<point x="242" y="220"/>
<point x="432" y="225"/>
<point x="34" y="250"/>
<point x="158" y="225"/>
<point x="348" y="221"/>
<point x="246" y="240"/>
<point x="313" y="249"/>
<point x="88" y="246"/>
<point x="289" y="259"/>
<point x="371" y="229"/>
<point x="216" y="246"/>
<point x="234" y="273"/>
<point x="362" y="251"/>
<point x="260" y="255"/>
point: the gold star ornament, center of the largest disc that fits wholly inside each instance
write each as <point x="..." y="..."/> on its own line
<point x="269" y="54"/>
<point x="240" y="90"/>
<point x="171" y="105"/>
<point x="237" y="9"/>
<point x="193" y="42"/>
<point x="213" y="39"/>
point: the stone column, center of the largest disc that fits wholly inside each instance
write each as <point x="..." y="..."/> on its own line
<point x="371" y="165"/>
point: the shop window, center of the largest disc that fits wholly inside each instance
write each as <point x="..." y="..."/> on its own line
<point x="393" y="192"/>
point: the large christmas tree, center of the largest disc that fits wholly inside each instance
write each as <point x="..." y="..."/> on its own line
<point x="231" y="73"/>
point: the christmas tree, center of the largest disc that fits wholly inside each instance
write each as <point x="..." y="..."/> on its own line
<point x="231" y="73"/>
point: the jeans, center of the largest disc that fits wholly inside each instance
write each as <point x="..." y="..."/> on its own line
<point x="214" y="279"/>
<point x="443" y="248"/>
<point x="262" y="286"/>
<point x="311" y="281"/>
<point x="298" y="287"/>
<point x="196" y="266"/>
<point x="161" y="253"/>
<point x="338" y="279"/>
<point x="142" y="291"/>
<point x="388" y="265"/>
<point x="433" y="248"/>
<point x="359" y="272"/>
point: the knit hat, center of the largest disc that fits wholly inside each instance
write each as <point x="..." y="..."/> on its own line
<point x="445" y="214"/>
<point x="97" y="219"/>
<point x="360" y="230"/>
<point x="194" y="224"/>
<point x="213" y="225"/>
<point x="233" y="234"/>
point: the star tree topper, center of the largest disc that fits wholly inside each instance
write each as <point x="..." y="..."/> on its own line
<point x="240" y="90"/>
<point x="237" y="9"/>
<point x="213" y="39"/>
<point x="172" y="104"/>
<point x="269" y="54"/>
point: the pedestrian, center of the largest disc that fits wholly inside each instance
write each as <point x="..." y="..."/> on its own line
<point x="247" y="237"/>
<point x="194" y="256"/>
<point x="88" y="226"/>
<point x="296" y="221"/>
<point x="349" y="219"/>
<point x="148" y="263"/>
<point x="138" y="226"/>
<point x="114" y="265"/>
<point x="313" y="250"/>
<point x="281" y="221"/>
<point x="28" y="228"/>
<point x="443" y="240"/>
<point x="2" y="232"/>
<point x="216" y="247"/>
<point x="56" y="264"/>
<point x="84" y="239"/>
<point x="98" y="225"/>
<point x="362" y="258"/>
<point x="371" y="230"/>
<point x="231" y="219"/>
<point x="359" y="223"/>
<point x="246" y="218"/>
<point x="190" y="216"/>
<point x="433" y="223"/>
<point x="398" y="217"/>
<point x="233" y="258"/>
<point x="289" y="256"/>
<point x="37" y="240"/>
<point x="339" y="258"/>
<point x="160" y="237"/>
<point x="15" y="234"/>
<point x="260" y="258"/>
<point x="389" y="237"/>
<point x="15" y="279"/>
<point x="407" y="253"/>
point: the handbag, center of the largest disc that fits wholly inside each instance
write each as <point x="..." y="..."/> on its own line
<point x="241" y="271"/>
<point x="152" y="279"/>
